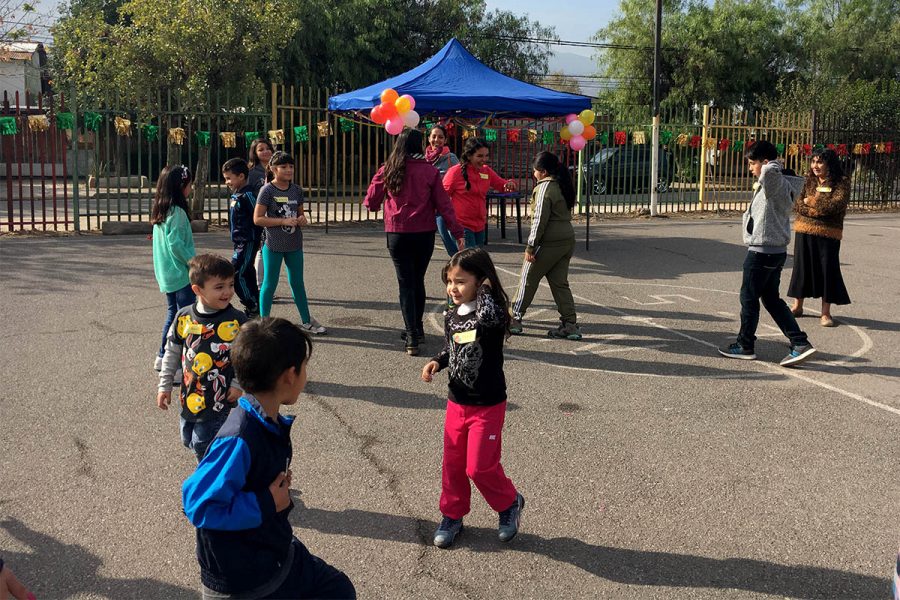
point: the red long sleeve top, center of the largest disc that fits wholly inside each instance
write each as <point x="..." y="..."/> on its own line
<point x="470" y="205"/>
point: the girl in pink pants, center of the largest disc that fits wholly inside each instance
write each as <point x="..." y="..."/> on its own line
<point x="475" y="330"/>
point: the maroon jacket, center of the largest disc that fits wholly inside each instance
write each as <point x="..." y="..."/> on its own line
<point x="413" y="208"/>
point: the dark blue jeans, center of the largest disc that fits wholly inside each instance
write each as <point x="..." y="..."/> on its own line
<point x="762" y="278"/>
<point x="449" y="242"/>
<point x="474" y="239"/>
<point x="175" y="301"/>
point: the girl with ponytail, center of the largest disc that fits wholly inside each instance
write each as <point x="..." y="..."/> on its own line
<point x="468" y="184"/>
<point x="550" y="246"/>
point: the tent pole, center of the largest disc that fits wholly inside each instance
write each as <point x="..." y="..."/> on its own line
<point x="654" y="149"/>
<point x="327" y="168"/>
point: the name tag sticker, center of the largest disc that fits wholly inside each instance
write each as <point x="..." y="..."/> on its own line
<point x="484" y="176"/>
<point x="823" y="189"/>
<point x="464" y="337"/>
<point x="755" y="186"/>
<point x="281" y="199"/>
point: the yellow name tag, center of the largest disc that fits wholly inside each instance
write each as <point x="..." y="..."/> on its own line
<point x="464" y="337"/>
<point x="755" y="186"/>
<point x="484" y="176"/>
<point x="281" y="199"/>
<point x="823" y="189"/>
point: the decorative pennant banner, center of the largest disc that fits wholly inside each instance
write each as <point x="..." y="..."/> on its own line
<point x="879" y="148"/>
<point x="324" y="128"/>
<point x="249" y="136"/>
<point x="65" y="120"/>
<point x="822" y="146"/>
<point x="176" y="136"/>
<point x="450" y="126"/>
<point x="807" y="149"/>
<point x="38" y="123"/>
<point x="682" y="139"/>
<point x="512" y="135"/>
<point x="620" y="138"/>
<point x="8" y="126"/>
<point x="301" y="133"/>
<point x="532" y="135"/>
<point x="724" y="144"/>
<point x="638" y="138"/>
<point x="831" y="147"/>
<point x="229" y="139"/>
<point x="123" y="126"/>
<point x="276" y="136"/>
<point x="793" y="149"/>
<point x="888" y="147"/>
<point x="92" y="121"/>
<point x="780" y="149"/>
<point x="738" y="146"/>
<point x="665" y="136"/>
<point x="695" y="141"/>
<point x="151" y="132"/>
<point x="346" y="125"/>
<point x="710" y="144"/>
<point x="490" y="135"/>
<point x="603" y="136"/>
<point x="547" y="137"/>
<point x="842" y="150"/>
<point x="428" y="125"/>
<point x="203" y="138"/>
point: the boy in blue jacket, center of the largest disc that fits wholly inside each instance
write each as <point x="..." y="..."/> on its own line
<point x="238" y="498"/>
<point x="244" y="234"/>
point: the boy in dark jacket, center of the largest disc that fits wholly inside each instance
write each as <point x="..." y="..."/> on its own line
<point x="244" y="234"/>
<point x="238" y="498"/>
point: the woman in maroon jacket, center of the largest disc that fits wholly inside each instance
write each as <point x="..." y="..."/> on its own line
<point x="414" y="193"/>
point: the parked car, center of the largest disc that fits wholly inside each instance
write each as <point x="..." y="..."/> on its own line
<point x="626" y="170"/>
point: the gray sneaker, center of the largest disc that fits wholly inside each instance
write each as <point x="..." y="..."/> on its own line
<point x="313" y="327"/>
<point x="797" y="355"/>
<point x="447" y="531"/>
<point x="515" y="326"/>
<point x="511" y="518"/>
<point x="566" y="331"/>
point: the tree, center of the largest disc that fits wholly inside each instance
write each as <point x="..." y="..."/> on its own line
<point x="20" y="21"/>
<point x="559" y="81"/>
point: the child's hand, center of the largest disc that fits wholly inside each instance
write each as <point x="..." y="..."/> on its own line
<point x="233" y="395"/>
<point x="290" y="221"/>
<point x="280" y="491"/>
<point x="510" y="186"/>
<point x="429" y="370"/>
<point x="163" y="399"/>
<point x="529" y="257"/>
<point x="302" y="221"/>
<point x="460" y="243"/>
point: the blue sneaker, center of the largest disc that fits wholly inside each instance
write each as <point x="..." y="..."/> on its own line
<point x="797" y="355"/>
<point x="511" y="518"/>
<point x="735" y="350"/>
<point x="447" y="531"/>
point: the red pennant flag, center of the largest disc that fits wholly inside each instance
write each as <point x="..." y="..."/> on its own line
<point x="807" y="149"/>
<point x="513" y="135"/>
<point x="842" y="149"/>
<point x="867" y="148"/>
<point x="620" y="137"/>
<point x="724" y="143"/>
<point x="888" y="147"/>
<point x="695" y="141"/>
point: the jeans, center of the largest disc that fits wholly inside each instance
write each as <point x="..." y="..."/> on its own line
<point x="293" y="261"/>
<point x="198" y="435"/>
<point x="762" y="277"/>
<point x="449" y="242"/>
<point x="474" y="239"/>
<point x="411" y="253"/>
<point x="175" y="301"/>
<point x="245" y="274"/>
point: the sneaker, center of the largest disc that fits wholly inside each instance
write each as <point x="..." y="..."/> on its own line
<point x="735" y="350"/>
<point x="157" y="363"/>
<point x="511" y="518"/>
<point x="313" y="327"/>
<point x="447" y="532"/>
<point x="412" y="345"/>
<point x="797" y="355"/>
<point x="515" y="326"/>
<point x="566" y="331"/>
<point x="252" y="312"/>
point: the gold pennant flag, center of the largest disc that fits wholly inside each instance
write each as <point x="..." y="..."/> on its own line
<point x="123" y="126"/>
<point x="176" y="136"/>
<point x="277" y="136"/>
<point x="858" y="149"/>
<point x="532" y="135"/>
<point x="879" y="148"/>
<point x="710" y="143"/>
<point x="229" y="139"/>
<point x="638" y="137"/>
<point x="324" y="128"/>
<point x="682" y="139"/>
<point x="38" y="123"/>
<point x="793" y="150"/>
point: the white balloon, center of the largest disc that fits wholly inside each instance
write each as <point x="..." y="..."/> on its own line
<point x="576" y="127"/>
<point x="411" y="119"/>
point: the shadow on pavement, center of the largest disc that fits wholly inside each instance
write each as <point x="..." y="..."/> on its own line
<point x="384" y="396"/>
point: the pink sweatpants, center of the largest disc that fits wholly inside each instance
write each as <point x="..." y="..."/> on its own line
<point x="472" y="442"/>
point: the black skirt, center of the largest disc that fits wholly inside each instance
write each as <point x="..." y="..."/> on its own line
<point x="817" y="269"/>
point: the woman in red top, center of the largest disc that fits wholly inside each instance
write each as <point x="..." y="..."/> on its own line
<point x="468" y="184"/>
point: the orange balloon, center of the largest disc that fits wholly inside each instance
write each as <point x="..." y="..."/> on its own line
<point x="589" y="133"/>
<point x="388" y="111"/>
<point x="389" y="96"/>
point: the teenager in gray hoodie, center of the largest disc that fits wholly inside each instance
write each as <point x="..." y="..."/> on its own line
<point x="767" y="232"/>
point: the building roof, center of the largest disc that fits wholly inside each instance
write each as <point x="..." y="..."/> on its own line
<point x="10" y="51"/>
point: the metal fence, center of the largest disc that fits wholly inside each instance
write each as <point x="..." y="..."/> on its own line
<point x="103" y="164"/>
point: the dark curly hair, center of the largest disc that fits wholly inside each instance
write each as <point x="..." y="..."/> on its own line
<point x="471" y="146"/>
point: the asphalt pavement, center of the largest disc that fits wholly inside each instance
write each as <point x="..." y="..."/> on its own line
<point x="651" y="466"/>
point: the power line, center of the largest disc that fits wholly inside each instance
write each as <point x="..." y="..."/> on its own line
<point x="558" y="42"/>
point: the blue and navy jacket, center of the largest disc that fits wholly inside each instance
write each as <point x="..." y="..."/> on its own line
<point x="240" y="216"/>
<point x="241" y="541"/>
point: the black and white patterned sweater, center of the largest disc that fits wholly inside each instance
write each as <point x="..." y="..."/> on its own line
<point x="473" y="350"/>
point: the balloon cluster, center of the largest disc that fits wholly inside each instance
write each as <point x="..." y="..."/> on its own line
<point x="395" y="112"/>
<point x="579" y="129"/>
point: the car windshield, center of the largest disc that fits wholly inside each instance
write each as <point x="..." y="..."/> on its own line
<point x="604" y="154"/>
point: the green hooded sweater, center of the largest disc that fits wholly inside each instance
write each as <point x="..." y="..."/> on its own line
<point x="173" y="247"/>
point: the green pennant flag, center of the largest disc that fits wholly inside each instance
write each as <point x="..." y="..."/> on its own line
<point x="490" y="135"/>
<point x="346" y="125"/>
<point x="151" y="132"/>
<point x="301" y="133"/>
<point x="8" y="126"/>
<point x="603" y="136"/>
<point x="429" y="125"/>
<point x="250" y="135"/>
<point x="738" y="145"/>
<point x="92" y="121"/>
<point x="548" y="137"/>
<point x="665" y="136"/>
<point x="65" y="120"/>
<point x="819" y="147"/>
<point x="202" y="138"/>
<point x="780" y="148"/>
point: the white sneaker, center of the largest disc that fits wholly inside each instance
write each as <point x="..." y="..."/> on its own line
<point x="313" y="327"/>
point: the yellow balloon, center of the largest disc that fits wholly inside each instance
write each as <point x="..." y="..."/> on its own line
<point x="402" y="105"/>
<point x="587" y="116"/>
<point x="565" y="134"/>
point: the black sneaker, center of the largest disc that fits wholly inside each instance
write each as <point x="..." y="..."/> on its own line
<point x="797" y="355"/>
<point x="447" y="531"/>
<point x="412" y="344"/>
<point x="252" y="312"/>
<point x="511" y="518"/>
<point x="735" y="350"/>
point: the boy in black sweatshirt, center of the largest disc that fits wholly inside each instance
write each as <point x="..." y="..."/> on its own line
<point x="244" y="234"/>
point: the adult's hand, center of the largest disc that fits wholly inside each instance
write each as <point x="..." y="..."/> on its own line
<point x="460" y="243"/>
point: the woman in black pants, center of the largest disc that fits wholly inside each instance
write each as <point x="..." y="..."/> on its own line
<point x="412" y="193"/>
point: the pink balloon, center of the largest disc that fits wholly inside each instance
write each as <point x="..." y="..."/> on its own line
<point x="393" y="126"/>
<point x="412" y="101"/>
<point x="577" y="143"/>
<point x="570" y="118"/>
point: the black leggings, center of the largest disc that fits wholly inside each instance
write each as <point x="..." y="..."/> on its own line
<point x="411" y="253"/>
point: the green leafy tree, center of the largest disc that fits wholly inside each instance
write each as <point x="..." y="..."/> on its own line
<point x="559" y="81"/>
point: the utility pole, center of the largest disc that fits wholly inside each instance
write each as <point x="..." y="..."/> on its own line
<point x="654" y="149"/>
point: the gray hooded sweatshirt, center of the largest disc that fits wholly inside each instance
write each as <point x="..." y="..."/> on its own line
<point x="767" y="221"/>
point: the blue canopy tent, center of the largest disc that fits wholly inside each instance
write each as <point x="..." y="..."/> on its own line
<point x="453" y="83"/>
